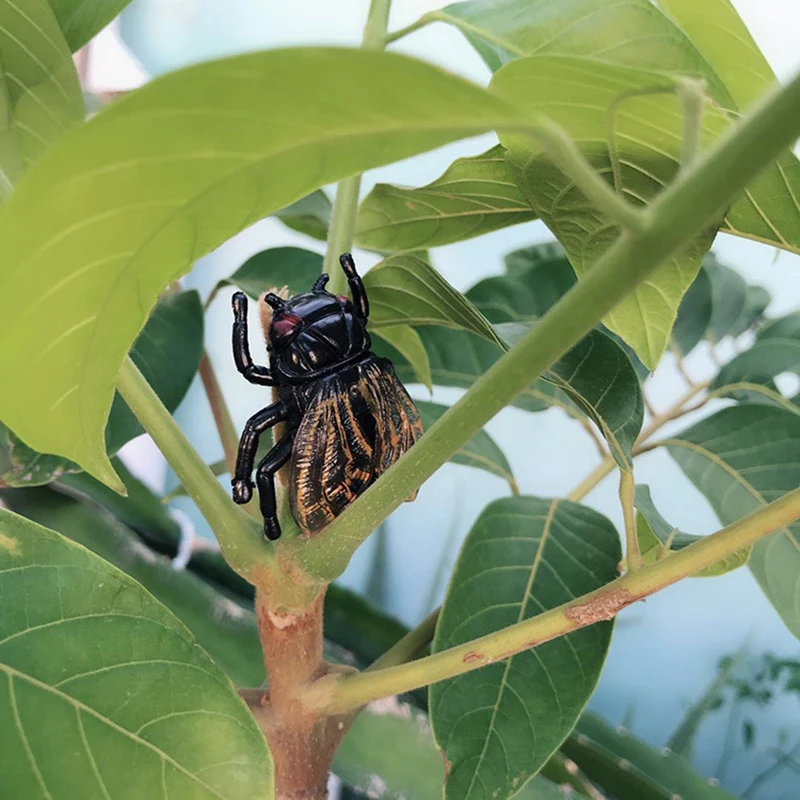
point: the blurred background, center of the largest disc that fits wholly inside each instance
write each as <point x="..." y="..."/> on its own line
<point x="666" y="652"/>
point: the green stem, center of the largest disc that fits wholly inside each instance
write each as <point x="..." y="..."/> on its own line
<point x="342" y="694"/>
<point x="239" y="537"/>
<point x="345" y="206"/>
<point x="694" y="201"/>
<point x="410" y="645"/>
<point x="220" y="411"/>
<point x="424" y="20"/>
<point x="692" y="97"/>
<point x="633" y="558"/>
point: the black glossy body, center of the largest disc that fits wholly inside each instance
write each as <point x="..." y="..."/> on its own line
<point x="327" y="381"/>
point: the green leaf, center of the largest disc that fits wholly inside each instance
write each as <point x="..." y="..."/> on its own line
<point x="310" y="215"/>
<point x="129" y="201"/>
<point x="656" y="535"/>
<point x="786" y="327"/>
<point x="480" y="452"/>
<point x="756" y="302"/>
<point x="134" y="707"/>
<point x="167" y="351"/>
<point x="636" y="33"/>
<point x="728" y="299"/>
<point x="631" y="33"/>
<point x="498" y="725"/>
<point x="410" y="769"/>
<point x="694" y="315"/>
<point x="596" y="375"/>
<point x="224" y="628"/>
<point x="407" y="342"/>
<point x="742" y="458"/>
<point x="293" y="267"/>
<point x="41" y="96"/>
<point x="599" y="378"/>
<point x="629" y="769"/>
<point x="720" y="35"/>
<point x="80" y="20"/>
<point x="474" y="196"/>
<point x="405" y="290"/>
<point x="757" y="367"/>
<point x="646" y="144"/>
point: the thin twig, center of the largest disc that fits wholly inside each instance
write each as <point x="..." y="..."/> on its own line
<point x="633" y="556"/>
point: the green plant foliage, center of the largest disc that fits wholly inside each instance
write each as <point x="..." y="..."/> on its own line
<point x="80" y="20"/>
<point x="786" y="327"/>
<point x="406" y="341"/>
<point x="756" y="301"/>
<point x="165" y="175"/>
<point x="480" y="452"/>
<point x="759" y="365"/>
<point x="224" y="628"/>
<point x="741" y="458"/>
<point x="167" y="351"/>
<point x="41" y="96"/>
<point x="646" y="147"/>
<point x="310" y="215"/>
<point x="656" y="536"/>
<point x="694" y="314"/>
<point x="728" y="299"/>
<point x="726" y="45"/>
<point x="292" y="267"/>
<point x="629" y="769"/>
<point x="131" y="694"/>
<point x="405" y="290"/>
<point x="474" y="196"/>
<point x="499" y="725"/>
<point x="637" y="33"/>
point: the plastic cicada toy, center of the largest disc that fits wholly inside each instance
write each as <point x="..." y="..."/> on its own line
<point x="347" y="417"/>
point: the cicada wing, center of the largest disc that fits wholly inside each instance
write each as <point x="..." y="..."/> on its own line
<point x="355" y="428"/>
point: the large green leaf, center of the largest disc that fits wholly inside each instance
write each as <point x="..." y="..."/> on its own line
<point x="405" y="290"/>
<point x="719" y="34"/>
<point x="41" y="96"/>
<point x="657" y="538"/>
<point x="167" y="351"/>
<point x="498" y="725"/>
<point x="134" y="707"/>
<point x="480" y="452"/>
<point x="646" y="145"/>
<point x="129" y="201"/>
<point x="629" y="769"/>
<point x="80" y="20"/>
<point x="474" y="196"/>
<point x="224" y="628"/>
<point x="310" y="215"/>
<point x="742" y="458"/>
<point x="637" y="33"/>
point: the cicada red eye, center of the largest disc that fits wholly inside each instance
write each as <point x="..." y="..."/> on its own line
<point x="342" y="299"/>
<point x="286" y="324"/>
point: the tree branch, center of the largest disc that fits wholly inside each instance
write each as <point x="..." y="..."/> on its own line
<point x="338" y="695"/>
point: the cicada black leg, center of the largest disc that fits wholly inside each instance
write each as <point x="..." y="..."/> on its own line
<point x="248" y="444"/>
<point x="360" y="301"/>
<point x="241" y="346"/>
<point x="265" y="478"/>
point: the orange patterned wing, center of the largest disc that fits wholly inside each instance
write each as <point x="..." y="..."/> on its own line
<point x="357" y="426"/>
